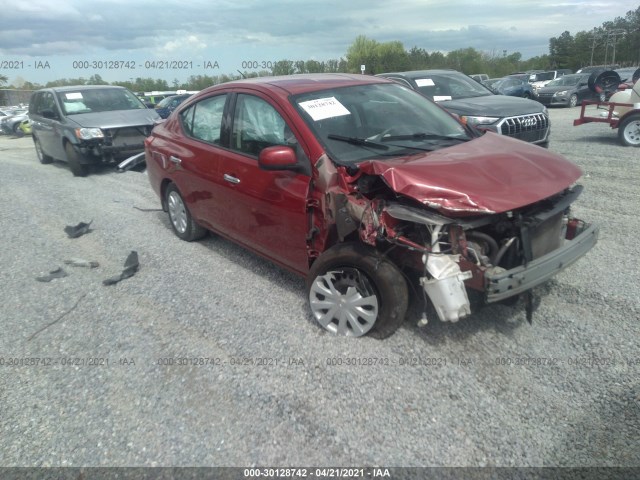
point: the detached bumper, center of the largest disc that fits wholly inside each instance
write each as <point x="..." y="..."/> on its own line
<point x="512" y="282"/>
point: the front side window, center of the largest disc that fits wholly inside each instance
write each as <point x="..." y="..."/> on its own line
<point x="257" y="125"/>
<point x="203" y="120"/>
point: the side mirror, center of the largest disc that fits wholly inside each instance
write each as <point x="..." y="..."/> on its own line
<point x="278" y="157"/>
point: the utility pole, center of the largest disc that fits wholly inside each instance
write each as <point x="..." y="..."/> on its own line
<point x="593" y="45"/>
<point x="611" y="40"/>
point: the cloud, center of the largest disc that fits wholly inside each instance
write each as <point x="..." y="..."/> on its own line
<point x="289" y="28"/>
<point x="190" y="43"/>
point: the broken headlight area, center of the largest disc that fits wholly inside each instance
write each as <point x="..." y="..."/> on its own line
<point x="109" y="145"/>
<point x="499" y="255"/>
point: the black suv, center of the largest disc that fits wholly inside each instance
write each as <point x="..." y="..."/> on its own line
<point x="477" y="106"/>
<point x="88" y="124"/>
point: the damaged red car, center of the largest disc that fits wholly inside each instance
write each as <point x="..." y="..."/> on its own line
<point x="371" y="192"/>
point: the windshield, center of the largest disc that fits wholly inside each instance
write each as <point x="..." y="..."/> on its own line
<point x="450" y="86"/>
<point x="566" y="81"/>
<point x="98" y="100"/>
<point x="376" y="121"/>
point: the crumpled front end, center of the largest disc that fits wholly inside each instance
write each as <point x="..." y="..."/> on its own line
<point x="500" y="255"/>
<point x="114" y="144"/>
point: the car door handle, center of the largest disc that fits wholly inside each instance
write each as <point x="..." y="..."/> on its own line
<point x="175" y="160"/>
<point x="231" y="179"/>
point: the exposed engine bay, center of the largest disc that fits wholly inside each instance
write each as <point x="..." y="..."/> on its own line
<point x="500" y="255"/>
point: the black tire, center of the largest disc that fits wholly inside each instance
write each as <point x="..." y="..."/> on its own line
<point x="17" y="131"/>
<point x="629" y="131"/>
<point x="573" y="100"/>
<point x="183" y="224"/>
<point x="604" y="82"/>
<point x="526" y="95"/>
<point x="42" y="157"/>
<point x="352" y="269"/>
<point x="74" y="159"/>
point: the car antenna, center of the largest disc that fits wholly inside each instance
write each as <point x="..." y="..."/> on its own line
<point x="242" y="74"/>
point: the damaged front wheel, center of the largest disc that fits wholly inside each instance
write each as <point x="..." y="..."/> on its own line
<point x="354" y="291"/>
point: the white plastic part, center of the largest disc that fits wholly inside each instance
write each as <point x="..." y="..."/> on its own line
<point x="446" y="289"/>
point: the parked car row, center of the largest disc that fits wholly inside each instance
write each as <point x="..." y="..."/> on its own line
<point x="562" y="87"/>
<point x="14" y="121"/>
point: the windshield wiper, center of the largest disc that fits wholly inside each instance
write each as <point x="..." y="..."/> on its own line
<point x="363" y="142"/>
<point x="422" y="136"/>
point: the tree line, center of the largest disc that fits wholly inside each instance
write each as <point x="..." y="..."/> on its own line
<point x="615" y="42"/>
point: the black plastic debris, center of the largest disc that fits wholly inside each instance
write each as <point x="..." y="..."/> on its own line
<point x="75" y="231"/>
<point x="131" y="266"/>
<point x="79" y="262"/>
<point x="53" y="274"/>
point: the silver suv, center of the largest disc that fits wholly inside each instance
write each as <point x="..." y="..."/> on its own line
<point x="88" y="124"/>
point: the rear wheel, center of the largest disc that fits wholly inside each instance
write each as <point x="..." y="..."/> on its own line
<point x="74" y="159"/>
<point x="629" y="131"/>
<point x="183" y="224"/>
<point x="42" y="157"/>
<point x="354" y="291"/>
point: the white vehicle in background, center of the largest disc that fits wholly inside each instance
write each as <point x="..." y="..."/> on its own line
<point x="541" y="79"/>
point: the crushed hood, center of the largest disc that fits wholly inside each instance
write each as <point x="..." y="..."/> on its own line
<point x="116" y="118"/>
<point x="490" y="174"/>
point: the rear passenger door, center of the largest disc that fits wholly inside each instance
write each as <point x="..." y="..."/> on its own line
<point x="193" y="159"/>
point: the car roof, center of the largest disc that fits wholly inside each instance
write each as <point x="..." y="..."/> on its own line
<point x="303" y="83"/>
<point x="75" y="88"/>
<point x="422" y="73"/>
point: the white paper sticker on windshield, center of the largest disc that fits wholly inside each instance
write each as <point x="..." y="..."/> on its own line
<point x="441" y="98"/>
<point x="322" y="108"/>
<point x="424" y="82"/>
<point x="73" y="96"/>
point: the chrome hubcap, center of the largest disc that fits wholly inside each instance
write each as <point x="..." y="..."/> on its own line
<point x="177" y="212"/>
<point x="344" y="302"/>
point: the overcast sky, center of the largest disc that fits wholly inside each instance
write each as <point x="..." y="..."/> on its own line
<point x="41" y="39"/>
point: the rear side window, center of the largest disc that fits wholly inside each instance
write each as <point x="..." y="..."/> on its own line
<point x="203" y="120"/>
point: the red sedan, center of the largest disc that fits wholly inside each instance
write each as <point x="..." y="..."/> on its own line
<point x="367" y="188"/>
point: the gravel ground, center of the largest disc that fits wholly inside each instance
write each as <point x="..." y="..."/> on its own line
<point x="570" y="397"/>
